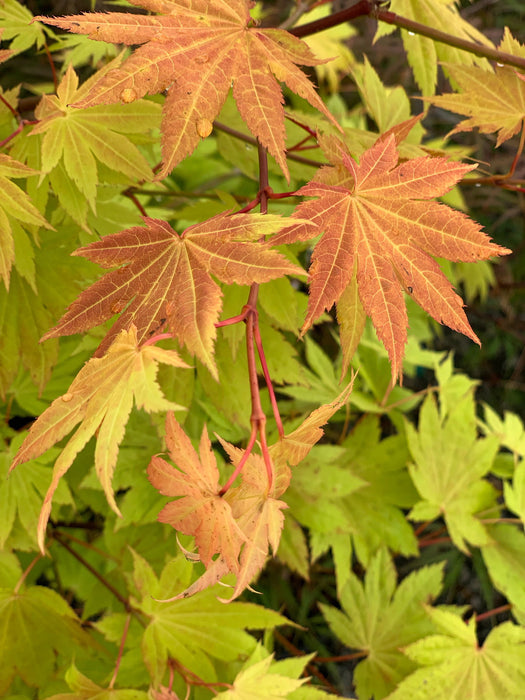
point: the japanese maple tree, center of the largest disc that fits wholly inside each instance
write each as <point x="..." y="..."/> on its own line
<point x="220" y="292"/>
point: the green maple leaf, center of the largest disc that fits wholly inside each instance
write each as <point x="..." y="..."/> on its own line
<point x="449" y="463"/>
<point x="21" y="494"/>
<point x="85" y="689"/>
<point x="380" y="619"/>
<point x="35" y="625"/>
<point x="14" y="204"/>
<point x="424" y="53"/>
<point x="374" y="512"/>
<point x="505" y="560"/>
<point x="457" y="668"/>
<point x="193" y="630"/>
<point x="80" y="138"/>
<point x="17" y="24"/>
<point x="256" y="683"/>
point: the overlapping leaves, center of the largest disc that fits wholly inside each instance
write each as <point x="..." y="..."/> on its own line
<point x="100" y="400"/>
<point x="380" y="619"/>
<point x="196" y="52"/>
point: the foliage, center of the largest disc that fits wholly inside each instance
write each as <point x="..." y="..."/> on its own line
<point x="214" y="484"/>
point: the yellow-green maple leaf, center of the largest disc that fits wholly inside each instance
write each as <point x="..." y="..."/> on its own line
<point x="257" y="683"/>
<point x="14" y="204"/>
<point x="493" y="99"/>
<point x="79" y="138"/>
<point x="456" y="667"/>
<point x="100" y="399"/>
<point x="36" y="625"/>
<point x="449" y="463"/>
<point x="380" y="620"/>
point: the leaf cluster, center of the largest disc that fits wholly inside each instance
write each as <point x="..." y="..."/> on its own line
<point x="230" y="435"/>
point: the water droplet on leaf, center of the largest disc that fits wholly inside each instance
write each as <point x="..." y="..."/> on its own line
<point x="204" y="127"/>
<point x="128" y="95"/>
<point x="67" y="397"/>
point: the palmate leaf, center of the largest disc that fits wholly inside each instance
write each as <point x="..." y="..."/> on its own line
<point x="197" y="51"/>
<point x="200" y="510"/>
<point x="381" y="619"/>
<point x="80" y="138"/>
<point x="85" y="689"/>
<point x="256" y="683"/>
<point x="100" y="399"/>
<point x="449" y="463"/>
<point x="455" y="667"/>
<point x="167" y="278"/>
<point x="493" y="99"/>
<point x="193" y="630"/>
<point x="35" y="625"/>
<point x="376" y="216"/>
<point x="239" y="526"/>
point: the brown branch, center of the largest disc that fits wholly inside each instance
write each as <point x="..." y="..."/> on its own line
<point x="371" y="8"/>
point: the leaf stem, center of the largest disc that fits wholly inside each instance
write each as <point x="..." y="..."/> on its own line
<point x="264" y="366"/>
<point x="249" y="139"/>
<point x="27" y="572"/>
<point x="494" y="611"/>
<point x="120" y="651"/>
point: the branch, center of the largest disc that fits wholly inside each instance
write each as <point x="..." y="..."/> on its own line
<point x="370" y="8"/>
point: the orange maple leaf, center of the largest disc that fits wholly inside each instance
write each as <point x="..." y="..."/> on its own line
<point x="197" y="51"/>
<point x="166" y="277"/>
<point x="380" y="227"/>
<point x="199" y="509"/>
<point x="239" y="526"/>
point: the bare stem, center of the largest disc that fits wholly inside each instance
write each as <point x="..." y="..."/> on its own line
<point x="26" y="572"/>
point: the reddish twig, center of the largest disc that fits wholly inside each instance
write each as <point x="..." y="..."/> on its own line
<point x="120" y="651"/>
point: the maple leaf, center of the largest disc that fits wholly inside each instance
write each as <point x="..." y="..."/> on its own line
<point x="380" y="619"/>
<point x="167" y="277"/>
<point x="295" y="446"/>
<point x="194" y="629"/>
<point x="80" y="138"/>
<point x="457" y="667"/>
<point x="376" y="215"/>
<point x="494" y="99"/>
<point x="200" y="510"/>
<point x="259" y="515"/>
<point x="257" y="682"/>
<point x="85" y="689"/>
<point x="196" y="52"/>
<point x="35" y="625"/>
<point x="100" y="399"/>
<point x="438" y="447"/>
<point x="16" y="204"/>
